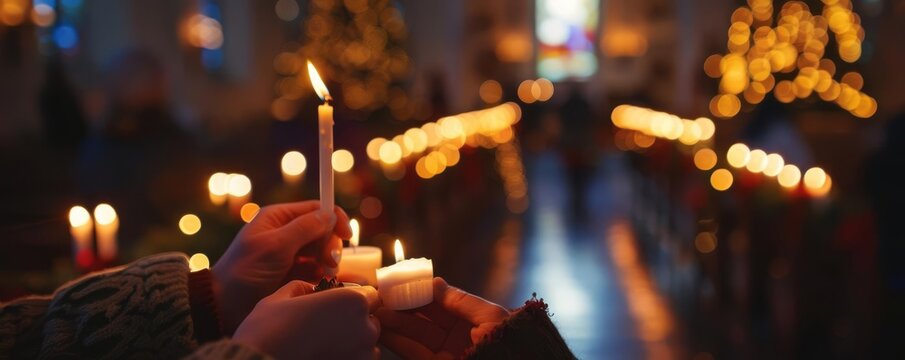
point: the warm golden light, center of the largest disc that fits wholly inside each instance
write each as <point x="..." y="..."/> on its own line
<point x="343" y="160"/>
<point x="319" y="87"/>
<point x="104" y="214"/>
<point x="525" y="93"/>
<point x="397" y="249"/>
<point x="355" y="232"/>
<point x="789" y="177"/>
<point x="238" y="185"/>
<point x="218" y="184"/>
<point x="546" y="89"/>
<point x="738" y="154"/>
<point x="373" y="148"/>
<point x="721" y="179"/>
<point x="248" y="211"/>
<point x="293" y="163"/>
<point x="79" y="216"/>
<point x="490" y="91"/>
<point x="199" y="262"/>
<point x="705" y="159"/>
<point x="814" y="178"/>
<point x="757" y="161"/>
<point x="708" y="129"/>
<point x="774" y="165"/>
<point x="823" y="190"/>
<point x="189" y="224"/>
<point x="390" y="152"/>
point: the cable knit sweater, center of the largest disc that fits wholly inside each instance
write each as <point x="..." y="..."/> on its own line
<point x="141" y="310"/>
<point x="146" y="310"/>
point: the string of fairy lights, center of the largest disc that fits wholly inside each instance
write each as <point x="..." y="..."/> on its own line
<point x="646" y="125"/>
<point x="760" y="55"/>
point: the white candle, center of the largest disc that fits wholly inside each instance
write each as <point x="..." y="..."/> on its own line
<point x="325" y="141"/>
<point x="107" y="225"/>
<point x="407" y="284"/>
<point x="359" y="264"/>
<point x="80" y="226"/>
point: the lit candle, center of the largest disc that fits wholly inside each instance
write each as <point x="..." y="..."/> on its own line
<point x="359" y="264"/>
<point x="407" y="284"/>
<point x="106" y="224"/>
<point x="217" y="186"/>
<point x="80" y="226"/>
<point x="238" y="187"/>
<point x="325" y="141"/>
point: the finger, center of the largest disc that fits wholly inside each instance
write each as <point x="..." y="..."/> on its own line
<point x="281" y="214"/>
<point x="471" y="308"/>
<point x="343" y="229"/>
<point x="413" y="327"/>
<point x="439" y="315"/>
<point x="293" y="289"/>
<point x="404" y="347"/>
<point x="368" y="292"/>
<point x="304" y="230"/>
<point x="375" y="354"/>
<point x="332" y="252"/>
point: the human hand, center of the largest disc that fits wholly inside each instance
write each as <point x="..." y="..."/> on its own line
<point x="283" y="242"/>
<point x="443" y="329"/>
<point x="296" y="322"/>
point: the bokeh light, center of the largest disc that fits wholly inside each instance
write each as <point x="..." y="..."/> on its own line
<point x="705" y="159"/>
<point x="490" y="92"/>
<point x="238" y="185"/>
<point x="293" y="163"/>
<point x="789" y="177"/>
<point x="104" y="214"/>
<point x="190" y="224"/>
<point x="248" y="211"/>
<point x="738" y="154"/>
<point x="721" y="179"/>
<point x="343" y="160"/>
<point x="79" y="216"/>
<point x="199" y="262"/>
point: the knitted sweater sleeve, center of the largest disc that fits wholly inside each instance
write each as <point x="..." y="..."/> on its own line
<point x="138" y="310"/>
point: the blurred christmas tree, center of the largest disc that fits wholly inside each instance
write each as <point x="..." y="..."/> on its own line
<point x="358" y="44"/>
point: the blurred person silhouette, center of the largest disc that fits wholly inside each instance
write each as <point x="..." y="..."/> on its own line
<point x="250" y="306"/>
<point x="139" y="159"/>
<point x="577" y="120"/>
<point x="60" y="108"/>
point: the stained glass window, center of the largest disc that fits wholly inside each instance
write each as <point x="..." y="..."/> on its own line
<point x="566" y="32"/>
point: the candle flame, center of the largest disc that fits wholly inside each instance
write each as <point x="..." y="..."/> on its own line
<point x="104" y="214"/>
<point x="355" y="232"/>
<point x="317" y="83"/>
<point x="78" y="216"/>
<point x="398" y="249"/>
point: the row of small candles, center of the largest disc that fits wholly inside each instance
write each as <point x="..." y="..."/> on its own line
<point x="84" y="230"/>
<point x="407" y="284"/>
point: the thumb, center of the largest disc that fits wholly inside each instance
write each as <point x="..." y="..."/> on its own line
<point x="294" y="288"/>
<point x="368" y="292"/>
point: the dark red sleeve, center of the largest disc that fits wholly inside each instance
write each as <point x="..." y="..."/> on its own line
<point x="527" y="334"/>
<point x="205" y="318"/>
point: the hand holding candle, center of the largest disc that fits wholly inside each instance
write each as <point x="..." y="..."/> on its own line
<point x="408" y="284"/>
<point x="359" y="263"/>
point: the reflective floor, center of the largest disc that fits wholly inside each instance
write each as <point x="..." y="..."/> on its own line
<point x="569" y="262"/>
